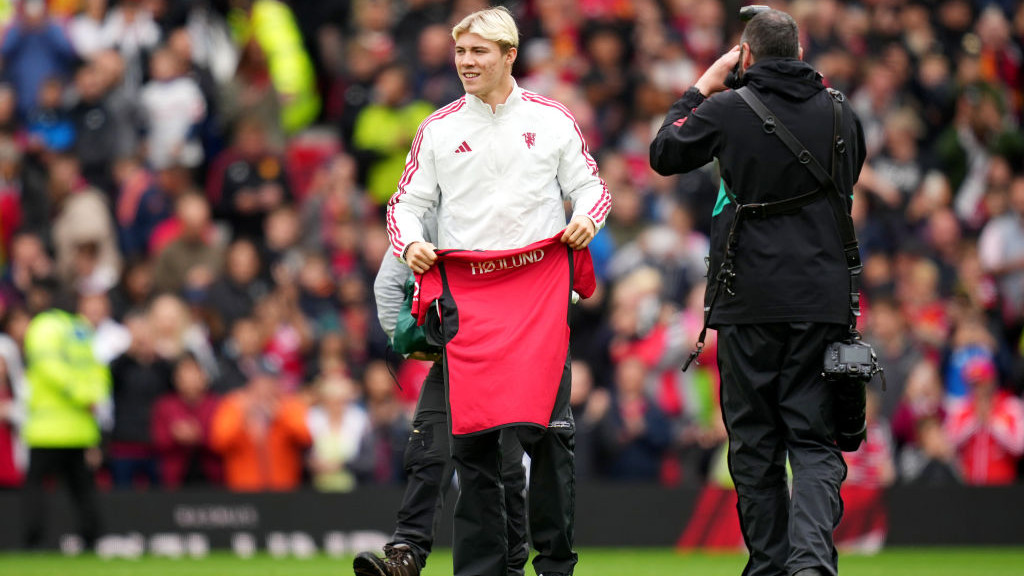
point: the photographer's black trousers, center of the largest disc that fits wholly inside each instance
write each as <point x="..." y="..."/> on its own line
<point x="776" y="404"/>
<point x="480" y="547"/>
<point x="428" y="466"/>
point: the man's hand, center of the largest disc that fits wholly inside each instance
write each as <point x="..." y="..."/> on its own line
<point x="93" y="457"/>
<point x="579" y="232"/>
<point x="187" y="432"/>
<point x="420" y="256"/>
<point x="713" y="79"/>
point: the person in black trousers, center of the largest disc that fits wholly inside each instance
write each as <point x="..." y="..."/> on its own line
<point x="499" y="166"/>
<point x="65" y="381"/>
<point x="428" y="461"/>
<point x="789" y="295"/>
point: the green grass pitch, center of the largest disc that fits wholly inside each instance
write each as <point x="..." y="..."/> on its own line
<point x="593" y="562"/>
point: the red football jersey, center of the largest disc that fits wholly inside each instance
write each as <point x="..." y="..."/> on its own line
<point x="505" y="320"/>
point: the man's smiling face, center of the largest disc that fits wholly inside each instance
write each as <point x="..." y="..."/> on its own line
<point x="483" y="68"/>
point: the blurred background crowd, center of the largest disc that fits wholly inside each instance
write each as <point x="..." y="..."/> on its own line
<point x="204" y="180"/>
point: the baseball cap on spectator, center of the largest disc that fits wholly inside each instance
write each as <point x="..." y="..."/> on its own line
<point x="978" y="370"/>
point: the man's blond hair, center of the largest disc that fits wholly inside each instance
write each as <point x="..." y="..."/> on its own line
<point x="494" y="24"/>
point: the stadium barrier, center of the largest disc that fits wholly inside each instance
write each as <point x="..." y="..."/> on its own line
<point x="305" y="522"/>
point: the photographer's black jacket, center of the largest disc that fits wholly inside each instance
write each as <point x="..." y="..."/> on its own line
<point x="789" y="268"/>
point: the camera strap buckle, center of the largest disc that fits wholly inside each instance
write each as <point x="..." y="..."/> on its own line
<point x="852" y="253"/>
<point x="693" y="355"/>
<point x="725" y="277"/>
<point x="753" y="210"/>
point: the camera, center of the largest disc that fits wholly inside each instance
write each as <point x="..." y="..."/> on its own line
<point x="849" y="366"/>
<point x="747" y="14"/>
<point x="851" y="358"/>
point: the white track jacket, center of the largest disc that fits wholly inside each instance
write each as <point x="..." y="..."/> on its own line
<point x="497" y="179"/>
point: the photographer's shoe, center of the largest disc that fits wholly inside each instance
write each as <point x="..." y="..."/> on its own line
<point x="398" y="561"/>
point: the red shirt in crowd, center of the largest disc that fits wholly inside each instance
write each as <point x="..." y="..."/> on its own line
<point x="10" y="475"/>
<point x="178" y="459"/>
<point x="872" y="465"/>
<point x="988" y="448"/>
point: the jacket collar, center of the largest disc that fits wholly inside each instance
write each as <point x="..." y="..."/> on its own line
<point x="791" y="78"/>
<point x="479" y="106"/>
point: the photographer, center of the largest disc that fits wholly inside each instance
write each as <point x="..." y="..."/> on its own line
<point x="783" y="294"/>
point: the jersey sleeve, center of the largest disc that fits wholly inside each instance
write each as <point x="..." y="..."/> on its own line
<point x="579" y="179"/>
<point x="418" y="192"/>
<point x="688" y="138"/>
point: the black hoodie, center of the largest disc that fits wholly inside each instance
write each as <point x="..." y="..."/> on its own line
<point x="789" y="268"/>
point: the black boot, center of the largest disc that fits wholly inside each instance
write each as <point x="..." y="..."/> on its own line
<point x="398" y="561"/>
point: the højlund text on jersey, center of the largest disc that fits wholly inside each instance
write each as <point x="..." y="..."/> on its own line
<point x="507" y="263"/>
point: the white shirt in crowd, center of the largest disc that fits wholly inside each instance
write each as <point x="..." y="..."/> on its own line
<point x="170" y="109"/>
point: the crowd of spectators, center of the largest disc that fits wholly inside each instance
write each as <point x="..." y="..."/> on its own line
<point x="205" y="181"/>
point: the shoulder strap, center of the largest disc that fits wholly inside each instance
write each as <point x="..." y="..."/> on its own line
<point x="773" y="125"/>
<point x="847" y="234"/>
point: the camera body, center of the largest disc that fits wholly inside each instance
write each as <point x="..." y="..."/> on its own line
<point x="851" y="359"/>
<point x="849" y="366"/>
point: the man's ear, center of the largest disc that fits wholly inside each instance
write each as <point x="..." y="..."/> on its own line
<point x="748" y="57"/>
<point x="800" y="53"/>
<point x="510" y="56"/>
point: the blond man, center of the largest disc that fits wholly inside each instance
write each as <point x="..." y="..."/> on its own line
<point x="498" y="166"/>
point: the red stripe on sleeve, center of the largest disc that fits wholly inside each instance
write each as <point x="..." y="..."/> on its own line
<point x="410" y="168"/>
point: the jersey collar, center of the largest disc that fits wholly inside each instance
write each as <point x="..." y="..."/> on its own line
<point x="514" y="97"/>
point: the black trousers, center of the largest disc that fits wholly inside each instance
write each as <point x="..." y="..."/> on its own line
<point x="481" y="546"/>
<point x="776" y="404"/>
<point x="428" y="465"/>
<point x="69" y="465"/>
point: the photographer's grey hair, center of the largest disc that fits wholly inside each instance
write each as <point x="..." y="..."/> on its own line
<point x="772" y="34"/>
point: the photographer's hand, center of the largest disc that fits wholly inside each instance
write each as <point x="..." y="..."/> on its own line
<point x="713" y="79"/>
